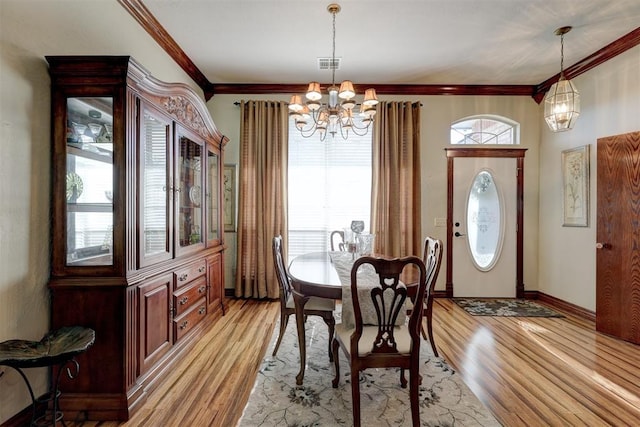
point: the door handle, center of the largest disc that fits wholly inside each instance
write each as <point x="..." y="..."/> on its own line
<point x="603" y="245"/>
<point x="458" y="234"/>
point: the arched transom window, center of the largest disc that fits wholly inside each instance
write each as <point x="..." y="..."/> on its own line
<point x="485" y="129"/>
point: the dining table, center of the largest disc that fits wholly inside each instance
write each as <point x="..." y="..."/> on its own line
<point x="327" y="275"/>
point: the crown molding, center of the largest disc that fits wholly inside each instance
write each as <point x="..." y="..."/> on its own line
<point x="386" y="89"/>
<point x="142" y="15"/>
<point x="608" y="52"/>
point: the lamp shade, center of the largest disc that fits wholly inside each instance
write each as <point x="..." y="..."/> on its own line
<point x="562" y="105"/>
<point x="313" y="92"/>
<point x="370" y="97"/>
<point x="348" y="104"/>
<point x="295" y="104"/>
<point x="346" y="90"/>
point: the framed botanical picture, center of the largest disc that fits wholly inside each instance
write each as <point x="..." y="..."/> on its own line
<point x="575" y="179"/>
<point x="229" y="195"/>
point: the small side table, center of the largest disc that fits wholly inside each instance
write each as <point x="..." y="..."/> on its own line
<point x="58" y="347"/>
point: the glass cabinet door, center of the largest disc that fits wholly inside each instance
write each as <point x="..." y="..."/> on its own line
<point x="189" y="193"/>
<point x="213" y="198"/>
<point x="156" y="230"/>
<point x="89" y="181"/>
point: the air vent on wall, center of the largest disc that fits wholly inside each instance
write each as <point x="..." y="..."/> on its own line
<point x="329" y="63"/>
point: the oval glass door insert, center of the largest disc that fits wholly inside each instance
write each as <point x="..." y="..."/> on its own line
<point x="485" y="221"/>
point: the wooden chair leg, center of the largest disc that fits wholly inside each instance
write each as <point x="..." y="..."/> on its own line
<point x="403" y="379"/>
<point x="429" y="319"/>
<point x="433" y="343"/>
<point x="331" y="324"/>
<point x="414" y="379"/>
<point x="336" y="363"/>
<point x="355" y="396"/>
<point x="424" y="333"/>
<point x="284" y="320"/>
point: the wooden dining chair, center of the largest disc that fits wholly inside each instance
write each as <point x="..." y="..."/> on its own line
<point x="315" y="306"/>
<point x="432" y="258"/>
<point x="337" y="240"/>
<point x="384" y="344"/>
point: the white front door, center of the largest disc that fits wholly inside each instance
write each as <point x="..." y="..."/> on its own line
<point x="484" y="227"/>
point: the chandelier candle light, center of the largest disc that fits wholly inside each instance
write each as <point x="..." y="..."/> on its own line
<point x="562" y="102"/>
<point x="335" y="116"/>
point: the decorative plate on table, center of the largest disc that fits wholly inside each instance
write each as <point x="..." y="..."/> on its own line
<point x="74" y="186"/>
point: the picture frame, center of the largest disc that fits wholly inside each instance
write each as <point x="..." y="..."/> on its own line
<point x="229" y="197"/>
<point x="575" y="180"/>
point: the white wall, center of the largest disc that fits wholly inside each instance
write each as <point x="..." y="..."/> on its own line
<point x="29" y="30"/>
<point x="610" y="100"/>
<point x="437" y="114"/>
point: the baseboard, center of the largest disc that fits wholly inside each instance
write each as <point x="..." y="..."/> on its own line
<point x="534" y="295"/>
<point x="567" y="306"/>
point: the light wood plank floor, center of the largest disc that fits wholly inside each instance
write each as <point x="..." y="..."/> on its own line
<point x="532" y="371"/>
<point x="527" y="371"/>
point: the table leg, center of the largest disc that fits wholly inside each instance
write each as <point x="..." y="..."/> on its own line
<point x="300" y="301"/>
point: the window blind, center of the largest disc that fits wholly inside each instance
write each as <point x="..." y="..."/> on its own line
<point x="329" y="186"/>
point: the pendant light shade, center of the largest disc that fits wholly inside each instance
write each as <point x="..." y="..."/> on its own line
<point x="562" y="105"/>
<point x="562" y="101"/>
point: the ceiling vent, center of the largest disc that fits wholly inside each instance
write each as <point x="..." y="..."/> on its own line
<point x="329" y="63"/>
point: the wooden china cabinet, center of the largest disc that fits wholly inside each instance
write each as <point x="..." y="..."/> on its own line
<point x="137" y="242"/>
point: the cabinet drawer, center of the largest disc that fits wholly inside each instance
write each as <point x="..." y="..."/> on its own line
<point x="190" y="272"/>
<point x="183" y="324"/>
<point x="184" y="298"/>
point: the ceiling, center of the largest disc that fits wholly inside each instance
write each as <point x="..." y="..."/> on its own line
<point x="422" y="42"/>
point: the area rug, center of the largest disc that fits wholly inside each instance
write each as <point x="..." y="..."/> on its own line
<point x="276" y="400"/>
<point x="504" y="307"/>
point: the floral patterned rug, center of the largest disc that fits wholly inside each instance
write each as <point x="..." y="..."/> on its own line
<point x="504" y="307"/>
<point x="276" y="400"/>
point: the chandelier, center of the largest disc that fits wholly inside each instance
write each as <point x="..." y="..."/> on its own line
<point x="335" y="116"/>
<point x="562" y="102"/>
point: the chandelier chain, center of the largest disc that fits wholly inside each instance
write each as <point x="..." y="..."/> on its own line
<point x="561" y="55"/>
<point x="333" y="55"/>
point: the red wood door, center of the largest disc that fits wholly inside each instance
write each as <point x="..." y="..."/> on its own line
<point x="618" y="236"/>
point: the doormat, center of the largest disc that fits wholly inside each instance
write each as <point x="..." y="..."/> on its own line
<point x="504" y="307"/>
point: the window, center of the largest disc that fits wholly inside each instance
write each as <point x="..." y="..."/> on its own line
<point x="329" y="186"/>
<point x="485" y="130"/>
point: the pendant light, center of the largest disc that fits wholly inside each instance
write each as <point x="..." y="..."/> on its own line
<point x="333" y="117"/>
<point x="562" y="101"/>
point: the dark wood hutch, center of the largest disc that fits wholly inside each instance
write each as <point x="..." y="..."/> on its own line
<point x="137" y="242"/>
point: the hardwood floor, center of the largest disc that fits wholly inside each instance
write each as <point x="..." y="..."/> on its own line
<point x="211" y="384"/>
<point x="533" y="371"/>
<point x="527" y="371"/>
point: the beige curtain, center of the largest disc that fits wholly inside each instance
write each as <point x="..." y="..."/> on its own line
<point x="395" y="202"/>
<point x="262" y="195"/>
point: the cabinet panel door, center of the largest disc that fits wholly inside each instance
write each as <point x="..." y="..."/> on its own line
<point x="155" y="320"/>
<point x="216" y="282"/>
<point x="154" y="201"/>
<point x="189" y="188"/>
